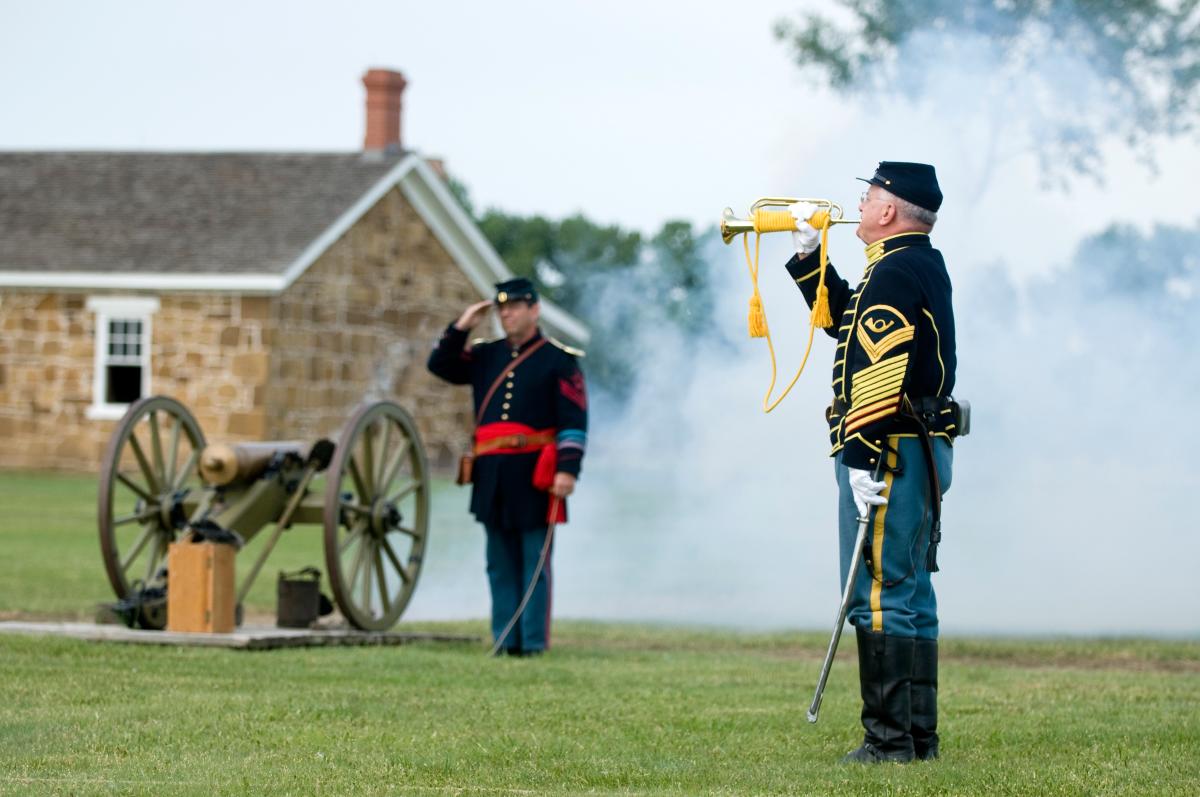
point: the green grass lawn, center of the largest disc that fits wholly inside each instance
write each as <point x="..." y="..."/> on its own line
<point x="612" y="709"/>
<point x="54" y="568"/>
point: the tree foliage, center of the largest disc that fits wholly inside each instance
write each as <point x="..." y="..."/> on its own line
<point x="1142" y="56"/>
<point x="614" y="280"/>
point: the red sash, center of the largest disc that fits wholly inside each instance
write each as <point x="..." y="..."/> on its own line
<point x="547" y="463"/>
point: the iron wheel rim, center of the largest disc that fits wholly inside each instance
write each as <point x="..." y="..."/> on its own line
<point x="146" y="473"/>
<point x="376" y="515"/>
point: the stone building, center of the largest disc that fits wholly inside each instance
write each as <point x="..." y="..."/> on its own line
<point x="270" y="293"/>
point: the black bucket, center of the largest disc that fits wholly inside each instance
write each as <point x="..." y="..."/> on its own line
<point x="299" y="598"/>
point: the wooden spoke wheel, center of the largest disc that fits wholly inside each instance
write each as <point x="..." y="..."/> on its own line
<point x="149" y="471"/>
<point x="376" y="515"/>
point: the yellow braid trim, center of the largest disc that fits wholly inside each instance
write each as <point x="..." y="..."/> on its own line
<point x="776" y="221"/>
<point x="757" y="322"/>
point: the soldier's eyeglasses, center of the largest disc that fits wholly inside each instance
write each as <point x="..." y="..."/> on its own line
<point x="863" y="198"/>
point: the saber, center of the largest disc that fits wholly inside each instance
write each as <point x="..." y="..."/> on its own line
<point x="537" y="571"/>
<point x="855" y="561"/>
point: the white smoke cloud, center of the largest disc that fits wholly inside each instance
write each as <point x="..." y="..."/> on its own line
<point x="1069" y="511"/>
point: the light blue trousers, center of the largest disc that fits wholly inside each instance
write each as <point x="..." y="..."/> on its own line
<point x="894" y="595"/>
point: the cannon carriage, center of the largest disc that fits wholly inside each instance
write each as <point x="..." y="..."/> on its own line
<point x="368" y="492"/>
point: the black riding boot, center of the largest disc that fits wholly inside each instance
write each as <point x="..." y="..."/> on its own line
<point x="885" y="665"/>
<point x="924" y="699"/>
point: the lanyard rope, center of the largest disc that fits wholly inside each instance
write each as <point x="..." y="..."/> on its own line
<point x="781" y="221"/>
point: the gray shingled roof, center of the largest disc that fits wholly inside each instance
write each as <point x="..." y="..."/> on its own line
<point x="178" y="213"/>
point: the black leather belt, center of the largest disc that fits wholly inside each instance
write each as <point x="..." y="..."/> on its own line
<point x="922" y="406"/>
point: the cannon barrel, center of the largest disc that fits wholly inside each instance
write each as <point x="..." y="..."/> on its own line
<point x="223" y="464"/>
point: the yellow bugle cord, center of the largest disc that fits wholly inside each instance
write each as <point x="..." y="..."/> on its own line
<point x="782" y="221"/>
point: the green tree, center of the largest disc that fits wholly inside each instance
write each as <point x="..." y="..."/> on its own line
<point x="612" y="279"/>
<point x="1143" y="57"/>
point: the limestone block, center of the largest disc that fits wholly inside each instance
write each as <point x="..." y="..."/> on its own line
<point x="251" y="425"/>
<point x="257" y="308"/>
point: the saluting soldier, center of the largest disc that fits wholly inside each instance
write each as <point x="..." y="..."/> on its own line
<point x="530" y="436"/>
<point x="892" y="417"/>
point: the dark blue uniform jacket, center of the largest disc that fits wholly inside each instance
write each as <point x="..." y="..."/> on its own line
<point x="546" y="391"/>
<point x="895" y="334"/>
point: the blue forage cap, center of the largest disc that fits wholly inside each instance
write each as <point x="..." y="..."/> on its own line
<point x="518" y="289"/>
<point x="916" y="182"/>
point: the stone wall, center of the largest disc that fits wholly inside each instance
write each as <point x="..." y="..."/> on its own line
<point x="46" y="357"/>
<point x="210" y="351"/>
<point x="358" y="325"/>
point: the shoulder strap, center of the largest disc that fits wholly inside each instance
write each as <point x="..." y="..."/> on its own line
<point x="503" y="372"/>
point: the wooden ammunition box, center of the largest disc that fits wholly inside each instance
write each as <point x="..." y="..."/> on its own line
<point x="200" y="587"/>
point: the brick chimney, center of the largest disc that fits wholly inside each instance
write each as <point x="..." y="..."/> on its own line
<point x="384" y="88"/>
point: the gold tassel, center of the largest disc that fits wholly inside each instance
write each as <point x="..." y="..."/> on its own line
<point x="820" y="313"/>
<point x="758" y="317"/>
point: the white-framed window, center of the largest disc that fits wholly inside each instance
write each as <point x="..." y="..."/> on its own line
<point x="122" y="360"/>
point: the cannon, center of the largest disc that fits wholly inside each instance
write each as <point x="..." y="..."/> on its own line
<point x="368" y="492"/>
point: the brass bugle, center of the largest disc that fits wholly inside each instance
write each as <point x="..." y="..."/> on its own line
<point x="733" y="226"/>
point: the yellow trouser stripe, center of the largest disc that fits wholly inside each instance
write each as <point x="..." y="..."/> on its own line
<point x="877" y="543"/>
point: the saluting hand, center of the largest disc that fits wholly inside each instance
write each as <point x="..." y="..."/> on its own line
<point x="472" y="315"/>
<point x="564" y="485"/>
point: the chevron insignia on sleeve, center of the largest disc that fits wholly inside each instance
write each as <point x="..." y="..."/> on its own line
<point x="878" y="381"/>
<point x="574" y="390"/>
<point x="882" y="329"/>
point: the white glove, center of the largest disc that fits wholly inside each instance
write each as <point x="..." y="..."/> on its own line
<point x="806" y="237"/>
<point x="866" y="490"/>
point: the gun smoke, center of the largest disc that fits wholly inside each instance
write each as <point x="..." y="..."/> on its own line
<point x="1069" y="511"/>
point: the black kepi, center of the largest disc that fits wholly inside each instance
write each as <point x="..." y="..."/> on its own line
<point x="518" y="289"/>
<point x="915" y="182"/>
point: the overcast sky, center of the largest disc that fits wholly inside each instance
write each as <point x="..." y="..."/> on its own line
<point x="631" y="112"/>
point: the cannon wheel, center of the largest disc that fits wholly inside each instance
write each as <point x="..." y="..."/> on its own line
<point x="376" y="515"/>
<point x="149" y="467"/>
